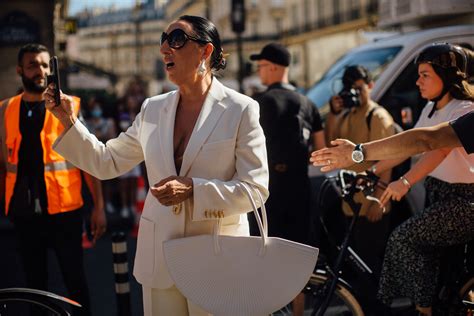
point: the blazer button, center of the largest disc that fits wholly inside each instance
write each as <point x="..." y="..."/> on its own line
<point x="177" y="209"/>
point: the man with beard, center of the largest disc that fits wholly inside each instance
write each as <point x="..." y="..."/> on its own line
<point x="42" y="190"/>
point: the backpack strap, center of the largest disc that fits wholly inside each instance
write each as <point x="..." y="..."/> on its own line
<point x="397" y="128"/>
<point x="303" y="124"/>
<point x="368" y="118"/>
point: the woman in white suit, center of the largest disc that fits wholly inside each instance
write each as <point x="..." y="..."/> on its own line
<point x="200" y="144"/>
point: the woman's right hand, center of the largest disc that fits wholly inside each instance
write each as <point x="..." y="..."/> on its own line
<point x="63" y="112"/>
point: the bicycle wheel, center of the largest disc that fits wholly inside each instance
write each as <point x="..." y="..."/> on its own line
<point x="342" y="303"/>
<point x="47" y="301"/>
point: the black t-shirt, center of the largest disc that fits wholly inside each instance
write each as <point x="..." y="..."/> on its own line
<point x="288" y="119"/>
<point x="30" y="184"/>
<point x="464" y="128"/>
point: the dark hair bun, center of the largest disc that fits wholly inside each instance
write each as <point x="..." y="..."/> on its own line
<point x="219" y="62"/>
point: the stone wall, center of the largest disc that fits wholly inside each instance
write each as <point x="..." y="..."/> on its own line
<point x="22" y="21"/>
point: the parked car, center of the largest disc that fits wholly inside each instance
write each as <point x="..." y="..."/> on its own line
<point x="391" y="63"/>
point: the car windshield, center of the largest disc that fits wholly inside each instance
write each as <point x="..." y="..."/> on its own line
<point x="375" y="60"/>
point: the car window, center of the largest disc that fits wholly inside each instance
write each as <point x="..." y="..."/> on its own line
<point x="403" y="99"/>
<point x="375" y="60"/>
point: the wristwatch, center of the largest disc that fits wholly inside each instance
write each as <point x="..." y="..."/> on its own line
<point x="358" y="154"/>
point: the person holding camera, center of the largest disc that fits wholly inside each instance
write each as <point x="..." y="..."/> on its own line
<point x="42" y="190"/>
<point x="355" y="116"/>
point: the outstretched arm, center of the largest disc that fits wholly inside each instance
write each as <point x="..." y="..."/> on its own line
<point x="398" y="146"/>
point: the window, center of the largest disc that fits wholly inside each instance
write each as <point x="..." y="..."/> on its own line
<point x="336" y="11"/>
<point x="254" y="25"/>
<point x="307" y="20"/>
<point x="278" y="25"/>
<point x="294" y="14"/>
<point x="321" y="14"/>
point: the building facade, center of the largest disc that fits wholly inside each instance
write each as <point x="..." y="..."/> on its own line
<point x="123" y="42"/>
<point x="22" y="22"/>
<point x="317" y="32"/>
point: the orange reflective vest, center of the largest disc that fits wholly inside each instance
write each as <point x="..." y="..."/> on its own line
<point x="63" y="180"/>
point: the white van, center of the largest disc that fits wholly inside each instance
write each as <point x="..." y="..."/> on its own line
<point x="391" y="63"/>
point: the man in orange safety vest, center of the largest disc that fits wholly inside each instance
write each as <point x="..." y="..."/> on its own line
<point x="42" y="190"/>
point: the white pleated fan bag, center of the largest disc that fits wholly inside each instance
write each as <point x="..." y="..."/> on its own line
<point x="240" y="275"/>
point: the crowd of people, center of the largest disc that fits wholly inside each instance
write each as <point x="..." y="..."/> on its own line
<point x="199" y="145"/>
<point x="107" y="122"/>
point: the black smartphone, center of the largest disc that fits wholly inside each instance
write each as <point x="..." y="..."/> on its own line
<point x="54" y="78"/>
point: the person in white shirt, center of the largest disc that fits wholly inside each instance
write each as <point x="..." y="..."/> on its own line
<point x="412" y="255"/>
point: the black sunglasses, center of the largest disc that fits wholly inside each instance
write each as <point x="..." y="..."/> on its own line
<point x="178" y="38"/>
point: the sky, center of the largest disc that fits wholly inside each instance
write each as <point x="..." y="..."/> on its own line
<point x="76" y="6"/>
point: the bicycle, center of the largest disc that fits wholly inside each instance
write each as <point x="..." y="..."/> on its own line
<point x="46" y="300"/>
<point x="327" y="293"/>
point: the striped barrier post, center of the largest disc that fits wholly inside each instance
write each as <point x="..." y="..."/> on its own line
<point x="141" y="195"/>
<point x="122" y="284"/>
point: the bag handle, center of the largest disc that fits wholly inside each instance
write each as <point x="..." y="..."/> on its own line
<point x="261" y="221"/>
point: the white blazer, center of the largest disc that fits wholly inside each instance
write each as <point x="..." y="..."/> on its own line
<point x="226" y="148"/>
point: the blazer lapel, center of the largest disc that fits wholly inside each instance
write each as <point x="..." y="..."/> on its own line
<point x="208" y="118"/>
<point x="166" y="132"/>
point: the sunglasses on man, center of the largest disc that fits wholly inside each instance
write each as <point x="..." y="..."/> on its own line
<point x="178" y="38"/>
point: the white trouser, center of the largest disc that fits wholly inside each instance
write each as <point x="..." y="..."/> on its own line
<point x="158" y="302"/>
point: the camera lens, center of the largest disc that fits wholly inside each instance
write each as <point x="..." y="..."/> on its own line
<point x="350" y="97"/>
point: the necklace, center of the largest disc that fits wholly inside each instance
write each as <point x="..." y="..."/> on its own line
<point x="30" y="109"/>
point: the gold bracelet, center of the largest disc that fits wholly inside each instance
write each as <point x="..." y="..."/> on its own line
<point x="405" y="182"/>
<point x="373" y="169"/>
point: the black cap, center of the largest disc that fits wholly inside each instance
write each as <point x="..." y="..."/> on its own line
<point x="274" y="52"/>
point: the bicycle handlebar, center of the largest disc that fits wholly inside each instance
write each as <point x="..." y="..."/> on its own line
<point x="351" y="182"/>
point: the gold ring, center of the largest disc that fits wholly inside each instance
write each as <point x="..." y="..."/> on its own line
<point x="177" y="209"/>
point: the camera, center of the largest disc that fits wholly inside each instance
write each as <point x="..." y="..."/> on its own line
<point x="350" y="97"/>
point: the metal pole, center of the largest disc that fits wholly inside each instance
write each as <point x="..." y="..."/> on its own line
<point x="122" y="284"/>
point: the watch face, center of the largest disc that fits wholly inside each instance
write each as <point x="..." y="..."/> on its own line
<point x="357" y="156"/>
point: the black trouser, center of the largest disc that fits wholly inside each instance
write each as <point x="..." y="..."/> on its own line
<point x="63" y="233"/>
<point x="288" y="207"/>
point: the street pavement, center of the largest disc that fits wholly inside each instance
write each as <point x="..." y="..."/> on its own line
<point x="98" y="263"/>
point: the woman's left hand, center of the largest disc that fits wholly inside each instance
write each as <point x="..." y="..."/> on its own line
<point x="172" y="190"/>
<point x="395" y="191"/>
<point x="374" y="212"/>
<point x="98" y="223"/>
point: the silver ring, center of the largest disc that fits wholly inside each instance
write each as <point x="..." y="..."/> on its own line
<point x="329" y="161"/>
